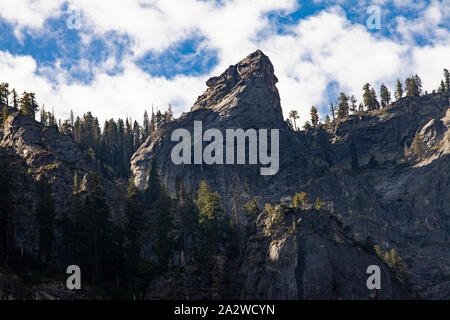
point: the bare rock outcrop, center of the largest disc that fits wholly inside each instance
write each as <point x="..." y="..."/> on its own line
<point x="399" y="198"/>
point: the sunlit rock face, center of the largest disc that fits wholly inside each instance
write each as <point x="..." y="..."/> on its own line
<point x="401" y="200"/>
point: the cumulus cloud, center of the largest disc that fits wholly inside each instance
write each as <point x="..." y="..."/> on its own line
<point x="309" y="55"/>
<point x="29" y="13"/>
<point x="121" y="95"/>
<point x="328" y="48"/>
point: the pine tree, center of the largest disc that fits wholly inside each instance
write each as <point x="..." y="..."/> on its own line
<point x="34" y="105"/>
<point x="211" y="217"/>
<point x="385" y="95"/>
<point x="25" y="104"/>
<point x="153" y="183"/>
<point x="146" y="127"/>
<point x="46" y="219"/>
<point x="135" y="227"/>
<point x="168" y="115"/>
<point x="410" y="87"/>
<point x="294" y="116"/>
<point x="418" y="83"/>
<point x="367" y="97"/>
<point x="314" y="117"/>
<point x="289" y="123"/>
<point x="159" y="119"/>
<point x="374" y="100"/>
<point x="4" y="114"/>
<point x="4" y="93"/>
<point x="418" y="146"/>
<point x="413" y="86"/>
<point x="447" y="79"/>
<point x="71" y="118"/>
<point x="44" y="116"/>
<point x="399" y="91"/>
<point x="333" y="111"/>
<point x="136" y="136"/>
<point x="165" y="226"/>
<point x="153" y="124"/>
<point x="300" y="200"/>
<point x="96" y="232"/>
<point x="353" y="101"/>
<point x="51" y="118"/>
<point x="343" y="106"/>
<point x="307" y="125"/>
<point x="442" y="87"/>
<point x="15" y="99"/>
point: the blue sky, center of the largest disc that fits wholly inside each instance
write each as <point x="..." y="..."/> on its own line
<point x="118" y="59"/>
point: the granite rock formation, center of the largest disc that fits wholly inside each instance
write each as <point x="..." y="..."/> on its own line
<point x="399" y="198"/>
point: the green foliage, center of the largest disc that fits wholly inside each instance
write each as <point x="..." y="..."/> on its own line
<point x="314" y="116"/>
<point x="135" y="227"/>
<point x="165" y="242"/>
<point x="6" y="210"/>
<point x="399" y="91"/>
<point x="413" y="86"/>
<point x="385" y="95"/>
<point x="394" y="262"/>
<point x="252" y="208"/>
<point x="300" y="200"/>
<point x="212" y="220"/>
<point x="447" y="80"/>
<point x="4" y="114"/>
<point x="76" y="183"/>
<point x="46" y="219"/>
<point x="370" y="98"/>
<point x="28" y="105"/>
<point x="442" y="87"/>
<point x="153" y="189"/>
<point x="418" y="146"/>
<point x="319" y="204"/>
<point x="343" y="106"/>
<point x="307" y="125"/>
<point x="277" y="217"/>
<point x="294" y="116"/>
<point x="4" y="93"/>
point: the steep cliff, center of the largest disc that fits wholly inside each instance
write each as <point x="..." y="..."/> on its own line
<point x="399" y="198"/>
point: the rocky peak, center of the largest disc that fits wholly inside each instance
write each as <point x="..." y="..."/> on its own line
<point x="246" y="87"/>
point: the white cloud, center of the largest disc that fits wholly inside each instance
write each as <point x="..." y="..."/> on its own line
<point x="29" y="13"/>
<point x="326" y="48"/>
<point x="320" y="49"/>
<point x="125" y="94"/>
<point x="429" y="63"/>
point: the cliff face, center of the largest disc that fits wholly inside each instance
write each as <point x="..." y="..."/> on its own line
<point x="399" y="199"/>
<point x="243" y="97"/>
<point x="311" y="255"/>
<point x="30" y="152"/>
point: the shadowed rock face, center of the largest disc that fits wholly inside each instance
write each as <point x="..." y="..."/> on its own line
<point x="402" y="202"/>
<point x="243" y="97"/>
<point x="35" y="151"/>
<point x="244" y="92"/>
